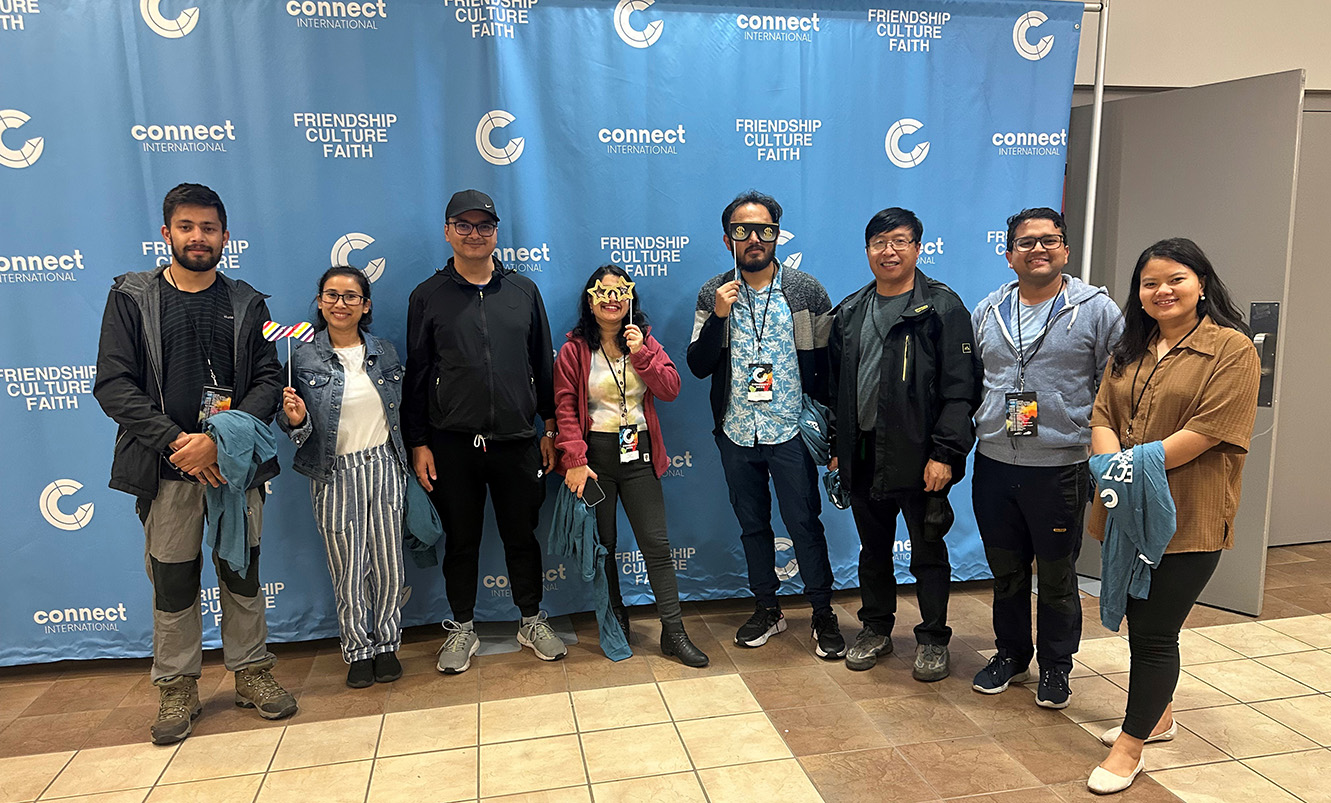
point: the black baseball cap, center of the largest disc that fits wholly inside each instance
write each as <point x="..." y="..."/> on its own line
<point x="468" y="201"/>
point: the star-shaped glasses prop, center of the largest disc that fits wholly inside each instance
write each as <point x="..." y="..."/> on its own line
<point x="610" y="289"/>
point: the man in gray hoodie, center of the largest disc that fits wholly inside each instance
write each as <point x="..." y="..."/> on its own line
<point x="1043" y="340"/>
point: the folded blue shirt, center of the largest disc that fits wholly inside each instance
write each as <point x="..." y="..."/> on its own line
<point x="1139" y="524"/>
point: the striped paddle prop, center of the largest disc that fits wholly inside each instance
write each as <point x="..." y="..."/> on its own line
<point x="274" y="331"/>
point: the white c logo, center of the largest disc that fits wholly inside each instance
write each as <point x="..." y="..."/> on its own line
<point x="1111" y="498"/>
<point x="355" y="241"/>
<point x="791" y="260"/>
<point x="792" y="567"/>
<point x="49" y="505"/>
<point x="31" y="150"/>
<point x="171" y="29"/>
<point x="497" y="156"/>
<point x="899" y="157"/>
<point x="634" y="37"/>
<point x="1028" y="51"/>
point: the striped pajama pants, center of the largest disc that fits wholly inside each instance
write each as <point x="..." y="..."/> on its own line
<point x="359" y="515"/>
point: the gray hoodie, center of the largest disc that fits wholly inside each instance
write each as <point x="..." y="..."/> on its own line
<point x="1064" y="371"/>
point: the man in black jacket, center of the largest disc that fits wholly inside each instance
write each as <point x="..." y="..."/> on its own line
<point x="905" y="381"/>
<point x="177" y="344"/>
<point x="480" y="369"/>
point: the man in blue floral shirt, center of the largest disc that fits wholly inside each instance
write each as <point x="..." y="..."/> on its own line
<point x="760" y="333"/>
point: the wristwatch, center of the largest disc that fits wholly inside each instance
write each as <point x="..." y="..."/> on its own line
<point x="549" y="433"/>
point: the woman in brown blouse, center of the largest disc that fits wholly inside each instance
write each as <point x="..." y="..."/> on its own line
<point x="1184" y="373"/>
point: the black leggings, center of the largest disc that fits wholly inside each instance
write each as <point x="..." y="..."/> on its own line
<point x="1153" y="627"/>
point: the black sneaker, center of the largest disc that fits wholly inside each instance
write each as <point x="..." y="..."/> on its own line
<point x="765" y="623"/>
<point x="827" y="640"/>
<point x="360" y="675"/>
<point x="387" y="668"/>
<point x="1054" y="691"/>
<point x="999" y="673"/>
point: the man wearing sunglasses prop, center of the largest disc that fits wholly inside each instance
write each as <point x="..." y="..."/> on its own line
<point x="760" y="333"/>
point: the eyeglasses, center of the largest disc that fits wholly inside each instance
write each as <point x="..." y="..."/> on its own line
<point x="881" y="245"/>
<point x="464" y="228"/>
<point x="331" y="297"/>
<point x="1049" y="241"/>
<point x="767" y="232"/>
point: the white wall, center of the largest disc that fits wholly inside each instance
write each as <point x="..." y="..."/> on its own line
<point x="1173" y="43"/>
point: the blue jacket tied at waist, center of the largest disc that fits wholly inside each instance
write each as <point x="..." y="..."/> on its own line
<point x="243" y="444"/>
<point x="1139" y="525"/>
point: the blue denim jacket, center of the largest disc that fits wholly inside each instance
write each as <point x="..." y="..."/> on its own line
<point x="318" y="378"/>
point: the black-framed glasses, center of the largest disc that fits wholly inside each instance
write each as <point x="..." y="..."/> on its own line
<point x="464" y="228"/>
<point x="880" y="245"/>
<point x="767" y="232"/>
<point x="331" y="297"/>
<point x="1049" y="241"/>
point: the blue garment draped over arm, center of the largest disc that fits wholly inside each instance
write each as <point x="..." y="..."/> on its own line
<point x="573" y="535"/>
<point x="1139" y="523"/>
<point x="243" y="444"/>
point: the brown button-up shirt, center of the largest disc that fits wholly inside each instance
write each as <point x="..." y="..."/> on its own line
<point x="1208" y="385"/>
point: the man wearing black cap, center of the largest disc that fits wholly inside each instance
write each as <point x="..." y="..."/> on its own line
<point x="480" y="369"/>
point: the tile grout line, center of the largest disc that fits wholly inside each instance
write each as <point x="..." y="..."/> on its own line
<point x="374" y="755"/>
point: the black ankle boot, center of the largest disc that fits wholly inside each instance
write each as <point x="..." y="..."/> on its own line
<point x="674" y="641"/>
<point x="622" y="616"/>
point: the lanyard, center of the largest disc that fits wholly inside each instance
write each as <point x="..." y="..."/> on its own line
<point x="1136" y="405"/>
<point x="758" y="330"/>
<point x="1022" y="359"/>
<point x="212" y="330"/>
<point x="621" y="385"/>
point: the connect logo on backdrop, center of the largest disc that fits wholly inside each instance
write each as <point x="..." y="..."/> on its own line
<point x="31" y="151"/>
<point x="676" y="464"/>
<point x="169" y="28"/>
<point x="41" y="267"/>
<point x="345" y="136"/>
<point x="908" y="31"/>
<point x="497" y="18"/>
<point x="1028" y="51"/>
<point x="355" y="241"/>
<point x="531" y="259"/>
<point x="642" y="141"/>
<point x="904" y="128"/>
<point x="769" y="28"/>
<point x="49" y="504"/>
<point x="12" y="11"/>
<point x="791" y="261"/>
<point x="493" y="154"/>
<point x="645" y="254"/>
<point x="778" y="140"/>
<point x="1030" y="143"/>
<point x="184" y="137"/>
<point x="49" y="387"/>
<point x="635" y="37"/>
<point x="324" y="14"/>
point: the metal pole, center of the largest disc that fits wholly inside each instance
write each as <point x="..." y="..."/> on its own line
<point x="1097" y="111"/>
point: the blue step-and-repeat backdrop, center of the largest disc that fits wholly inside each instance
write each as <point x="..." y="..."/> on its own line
<point x="605" y="131"/>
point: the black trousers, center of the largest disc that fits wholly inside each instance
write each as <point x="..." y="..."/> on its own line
<point x="1035" y="513"/>
<point x="876" y="520"/>
<point x="511" y="471"/>
<point x="1153" y="627"/>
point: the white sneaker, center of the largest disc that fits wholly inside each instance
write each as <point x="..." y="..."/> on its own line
<point x="542" y="639"/>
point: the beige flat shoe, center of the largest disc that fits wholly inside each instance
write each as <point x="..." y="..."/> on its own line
<point x="1110" y="736"/>
<point x="1104" y="782"/>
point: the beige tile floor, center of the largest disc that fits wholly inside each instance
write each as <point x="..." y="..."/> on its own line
<point x="768" y="725"/>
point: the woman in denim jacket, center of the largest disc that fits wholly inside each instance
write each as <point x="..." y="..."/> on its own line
<point x="343" y="415"/>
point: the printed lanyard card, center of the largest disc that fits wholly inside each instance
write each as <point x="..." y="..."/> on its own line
<point x="215" y="400"/>
<point x="761" y="382"/>
<point x="1023" y="414"/>
<point x="628" y="444"/>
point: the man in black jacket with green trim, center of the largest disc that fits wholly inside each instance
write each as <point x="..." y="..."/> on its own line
<point x="904" y="383"/>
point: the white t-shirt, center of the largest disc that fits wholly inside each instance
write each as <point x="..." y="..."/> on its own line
<point x="362" y="424"/>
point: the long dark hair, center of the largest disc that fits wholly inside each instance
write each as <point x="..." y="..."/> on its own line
<point x="1138" y="326"/>
<point x="343" y="270"/>
<point x="587" y="327"/>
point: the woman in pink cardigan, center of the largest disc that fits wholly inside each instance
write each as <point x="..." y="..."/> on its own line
<point x="607" y="379"/>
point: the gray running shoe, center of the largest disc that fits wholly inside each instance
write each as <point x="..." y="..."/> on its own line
<point x="869" y="644"/>
<point x="257" y="688"/>
<point x="542" y="639"/>
<point x="931" y="663"/>
<point x="458" y="648"/>
<point x="177" y="708"/>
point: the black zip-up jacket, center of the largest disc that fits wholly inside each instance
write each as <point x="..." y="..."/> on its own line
<point x="928" y="389"/>
<point x="479" y="359"/>
<point x="129" y="376"/>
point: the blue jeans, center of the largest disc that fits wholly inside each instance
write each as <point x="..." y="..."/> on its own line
<point x="791" y="470"/>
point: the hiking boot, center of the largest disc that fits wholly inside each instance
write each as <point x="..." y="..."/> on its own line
<point x="177" y="708"/>
<point x="931" y="663"/>
<point x="387" y="668"/>
<point x="675" y="642"/>
<point x="458" y="648"/>
<point x="827" y="639"/>
<point x="869" y="644"/>
<point x="540" y="636"/>
<point x="1054" y="691"/>
<point x="622" y="616"/>
<point x="765" y="623"/>
<point x="257" y="688"/>
<point x="999" y="673"/>
<point x="361" y="674"/>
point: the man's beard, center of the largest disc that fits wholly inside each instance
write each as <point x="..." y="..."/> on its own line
<point x="754" y="264"/>
<point x="198" y="263"/>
